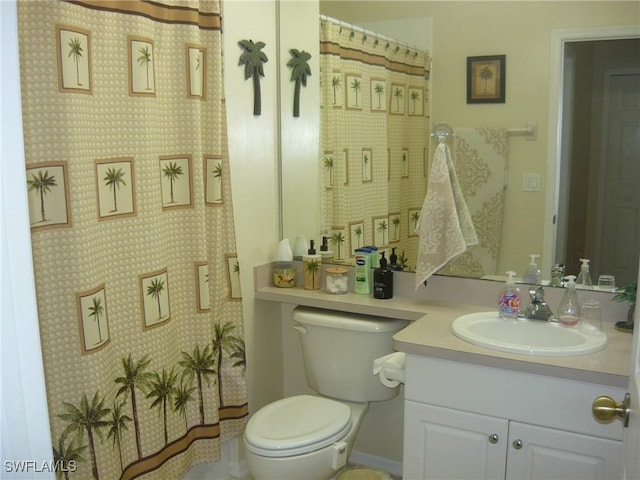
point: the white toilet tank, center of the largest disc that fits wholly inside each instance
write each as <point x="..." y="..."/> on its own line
<point x="338" y="349"/>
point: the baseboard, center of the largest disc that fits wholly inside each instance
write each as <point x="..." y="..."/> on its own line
<point x="367" y="460"/>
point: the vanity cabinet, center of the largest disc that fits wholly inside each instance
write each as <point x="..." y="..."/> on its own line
<point x="466" y="421"/>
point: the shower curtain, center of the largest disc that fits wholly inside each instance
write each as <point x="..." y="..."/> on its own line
<point x="374" y="139"/>
<point x="136" y="270"/>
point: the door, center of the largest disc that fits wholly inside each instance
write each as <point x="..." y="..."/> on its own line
<point x="619" y="217"/>
<point x="631" y="439"/>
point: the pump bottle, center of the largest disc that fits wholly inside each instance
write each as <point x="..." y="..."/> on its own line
<point x="311" y="266"/>
<point x="509" y="299"/>
<point x="532" y="275"/>
<point x="584" y="277"/>
<point x="569" y="310"/>
<point x="383" y="280"/>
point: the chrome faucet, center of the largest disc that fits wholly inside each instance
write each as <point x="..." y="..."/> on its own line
<point x="538" y="308"/>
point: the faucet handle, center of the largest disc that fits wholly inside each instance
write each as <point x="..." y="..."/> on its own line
<point x="537" y="294"/>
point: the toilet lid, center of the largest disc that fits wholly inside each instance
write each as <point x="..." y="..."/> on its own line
<point x="297" y="425"/>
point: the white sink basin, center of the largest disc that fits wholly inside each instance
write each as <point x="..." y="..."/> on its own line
<point x="532" y="337"/>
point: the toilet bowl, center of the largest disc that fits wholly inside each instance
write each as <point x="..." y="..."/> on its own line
<point x="302" y="437"/>
<point x="307" y="437"/>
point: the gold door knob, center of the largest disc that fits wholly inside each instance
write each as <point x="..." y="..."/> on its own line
<point x="606" y="409"/>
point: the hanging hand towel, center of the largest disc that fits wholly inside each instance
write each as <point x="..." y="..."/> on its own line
<point x="445" y="228"/>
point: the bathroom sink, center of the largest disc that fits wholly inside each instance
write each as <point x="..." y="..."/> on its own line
<point x="532" y="337"/>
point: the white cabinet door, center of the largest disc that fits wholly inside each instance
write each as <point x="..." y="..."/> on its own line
<point x="441" y="443"/>
<point x="547" y="454"/>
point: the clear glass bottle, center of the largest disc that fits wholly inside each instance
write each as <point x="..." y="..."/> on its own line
<point x="568" y="312"/>
<point x="584" y="277"/>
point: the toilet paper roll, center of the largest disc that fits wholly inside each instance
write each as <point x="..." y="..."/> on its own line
<point x="390" y="369"/>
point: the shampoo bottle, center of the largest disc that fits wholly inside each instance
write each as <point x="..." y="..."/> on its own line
<point x="383" y="280"/>
<point x="532" y="275"/>
<point x="362" y="285"/>
<point x="311" y="267"/>
<point x="569" y="310"/>
<point x="584" y="277"/>
<point x="509" y="298"/>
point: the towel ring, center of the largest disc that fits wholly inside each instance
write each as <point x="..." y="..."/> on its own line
<point x="443" y="132"/>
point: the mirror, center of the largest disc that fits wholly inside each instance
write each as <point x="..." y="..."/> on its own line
<point x="458" y="33"/>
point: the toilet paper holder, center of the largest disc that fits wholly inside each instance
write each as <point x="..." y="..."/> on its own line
<point x="390" y="369"/>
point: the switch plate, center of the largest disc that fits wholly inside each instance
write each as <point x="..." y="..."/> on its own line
<point x="530" y="182"/>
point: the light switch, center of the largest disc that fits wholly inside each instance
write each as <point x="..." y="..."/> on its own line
<point x="530" y="182"/>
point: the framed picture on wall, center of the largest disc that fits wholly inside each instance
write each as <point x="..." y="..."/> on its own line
<point x="486" y="79"/>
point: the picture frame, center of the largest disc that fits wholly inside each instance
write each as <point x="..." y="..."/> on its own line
<point x="486" y="79"/>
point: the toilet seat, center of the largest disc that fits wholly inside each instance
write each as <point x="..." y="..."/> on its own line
<point x="297" y="425"/>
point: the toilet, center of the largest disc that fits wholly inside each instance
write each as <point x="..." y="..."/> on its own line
<point x="310" y="437"/>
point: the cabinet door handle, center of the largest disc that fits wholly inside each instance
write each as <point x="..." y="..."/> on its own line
<point x="493" y="438"/>
<point x="517" y="444"/>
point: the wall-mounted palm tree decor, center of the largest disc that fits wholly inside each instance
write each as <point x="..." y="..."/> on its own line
<point x="378" y="95"/>
<point x="176" y="179"/>
<point x="300" y="69"/>
<point x="154" y="296"/>
<point x="196" y="71"/>
<point x="48" y="195"/>
<point x="93" y="319"/>
<point x="115" y="185"/>
<point x="213" y="170"/>
<point x="142" y="80"/>
<point x="253" y="59"/>
<point x="74" y="59"/>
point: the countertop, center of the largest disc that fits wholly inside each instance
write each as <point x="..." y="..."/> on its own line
<point x="430" y="334"/>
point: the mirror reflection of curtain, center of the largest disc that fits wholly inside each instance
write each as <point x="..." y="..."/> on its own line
<point x="481" y="157"/>
<point x="374" y="140"/>
<point x="136" y="274"/>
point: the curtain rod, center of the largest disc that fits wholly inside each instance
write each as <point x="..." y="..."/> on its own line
<point x="364" y="31"/>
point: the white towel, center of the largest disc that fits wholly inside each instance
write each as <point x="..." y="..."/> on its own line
<point x="445" y="228"/>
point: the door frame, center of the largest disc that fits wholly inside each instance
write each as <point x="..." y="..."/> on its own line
<point x="554" y="134"/>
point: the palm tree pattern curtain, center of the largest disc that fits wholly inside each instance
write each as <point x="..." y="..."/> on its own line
<point x="133" y="238"/>
<point x="375" y="133"/>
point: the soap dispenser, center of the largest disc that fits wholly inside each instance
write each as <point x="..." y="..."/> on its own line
<point x="311" y="267"/>
<point x="325" y="253"/>
<point x="509" y="298"/>
<point x="532" y="275"/>
<point x="584" y="277"/>
<point x="569" y="310"/>
<point x="383" y="280"/>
